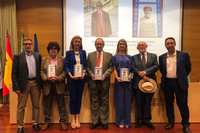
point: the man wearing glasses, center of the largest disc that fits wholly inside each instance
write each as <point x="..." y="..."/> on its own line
<point x="100" y="24"/>
<point x="53" y="85"/>
<point x="175" y="66"/>
<point x="26" y="80"/>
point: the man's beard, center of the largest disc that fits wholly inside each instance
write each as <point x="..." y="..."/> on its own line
<point x="148" y="16"/>
<point x="142" y="50"/>
<point x="28" y="49"/>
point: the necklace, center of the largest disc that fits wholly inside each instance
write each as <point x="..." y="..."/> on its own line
<point x="76" y="53"/>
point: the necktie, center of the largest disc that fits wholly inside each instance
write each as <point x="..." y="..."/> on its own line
<point x="143" y="61"/>
<point x="99" y="60"/>
<point x="100" y="19"/>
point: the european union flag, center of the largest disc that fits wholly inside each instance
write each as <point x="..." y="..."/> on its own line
<point x="35" y="44"/>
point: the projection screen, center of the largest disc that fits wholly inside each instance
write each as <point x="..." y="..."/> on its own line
<point x="151" y="21"/>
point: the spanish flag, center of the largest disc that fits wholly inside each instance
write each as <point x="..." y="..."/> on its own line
<point x="8" y="68"/>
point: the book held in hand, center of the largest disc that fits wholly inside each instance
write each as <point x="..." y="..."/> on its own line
<point x="78" y="70"/>
<point x="98" y="73"/>
<point x="124" y="74"/>
<point x="51" y="71"/>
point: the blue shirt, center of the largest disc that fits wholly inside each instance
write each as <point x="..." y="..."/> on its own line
<point x="31" y="65"/>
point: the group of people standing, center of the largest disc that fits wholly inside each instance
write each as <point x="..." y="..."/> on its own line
<point x="29" y="75"/>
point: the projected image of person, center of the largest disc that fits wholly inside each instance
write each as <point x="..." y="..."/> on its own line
<point x="147" y="23"/>
<point x="100" y="22"/>
<point x="147" y="18"/>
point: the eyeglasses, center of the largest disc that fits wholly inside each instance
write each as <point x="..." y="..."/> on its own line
<point x="169" y="43"/>
<point x="122" y="44"/>
<point x="27" y="44"/>
<point x="53" y="48"/>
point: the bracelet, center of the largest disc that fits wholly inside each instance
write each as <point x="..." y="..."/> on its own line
<point x="143" y="76"/>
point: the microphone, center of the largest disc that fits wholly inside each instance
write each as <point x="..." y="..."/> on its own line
<point x="194" y="76"/>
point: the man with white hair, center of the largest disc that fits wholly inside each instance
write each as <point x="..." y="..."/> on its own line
<point x="143" y="65"/>
<point x="147" y="23"/>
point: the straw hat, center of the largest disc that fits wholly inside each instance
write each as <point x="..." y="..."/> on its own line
<point x="147" y="87"/>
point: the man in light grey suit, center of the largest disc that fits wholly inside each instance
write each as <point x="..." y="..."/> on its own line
<point x="99" y="89"/>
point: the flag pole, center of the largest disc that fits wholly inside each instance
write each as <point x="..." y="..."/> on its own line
<point x="22" y="37"/>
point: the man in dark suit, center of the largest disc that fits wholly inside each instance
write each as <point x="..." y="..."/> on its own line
<point x="53" y="85"/>
<point x="100" y="24"/>
<point x="26" y="80"/>
<point x="175" y="66"/>
<point x="143" y="65"/>
<point x="99" y="89"/>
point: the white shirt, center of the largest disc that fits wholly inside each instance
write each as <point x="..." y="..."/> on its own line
<point x="100" y="13"/>
<point x="171" y="66"/>
<point x="30" y="59"/>
<point x="77" y="57"/>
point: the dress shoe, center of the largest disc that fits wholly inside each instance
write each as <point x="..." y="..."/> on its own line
<point x="45" y="126"/>
<point x="20" y="130"/>
<point x="63" y="126"/>
<point x="169" y="126"/>
<point x="105" y="126"/>
<point x="187" y="130"/>
<point x="93" y="126"/>
<point x="139" y="124"/>
<point x="150" y="125"/>
<point x="36" y="127"/>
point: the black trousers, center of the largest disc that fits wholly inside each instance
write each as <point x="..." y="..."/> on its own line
<point x="172" y="87"/>
<point x="48" y="102"/>
<point x="143" y="102"/>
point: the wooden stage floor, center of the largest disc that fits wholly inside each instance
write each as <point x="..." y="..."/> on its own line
<point x="6" y="127"/>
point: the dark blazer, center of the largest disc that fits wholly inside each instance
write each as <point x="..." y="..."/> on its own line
<point x="70" y="61"/>
<point x="60" y="84"/>
<point x="183" y="68"/>
<point x="20" y="71"/>
<point x="107" y="68"/>
<point x="94" y="26"/>
<point x="151" y="67"/>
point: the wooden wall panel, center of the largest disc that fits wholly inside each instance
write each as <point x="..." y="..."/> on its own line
<point x="43" y="18"/>
<point x="191" y="35"/>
